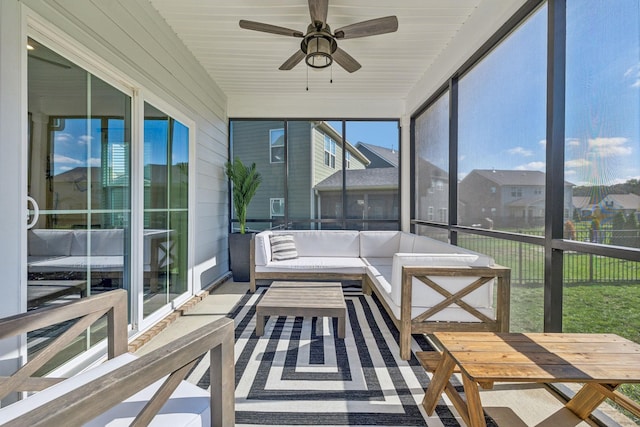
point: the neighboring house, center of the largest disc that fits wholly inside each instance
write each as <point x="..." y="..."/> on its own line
<point x="380" y="157"/>
<point x="69" y="191"/>
<point x="607" y="206"/>
<point x="628" y="204"/>
<point x="432" y="192"/>
<point x="372" y="194"/>
<point x="507" y="197"/>
<point x="314" y="153"/>
<point x="583" y="205"/>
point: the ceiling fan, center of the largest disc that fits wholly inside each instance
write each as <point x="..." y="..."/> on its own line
<point x="319" y="46"/>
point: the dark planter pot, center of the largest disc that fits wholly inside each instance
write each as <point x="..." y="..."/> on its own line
<point x="239" y="248"/>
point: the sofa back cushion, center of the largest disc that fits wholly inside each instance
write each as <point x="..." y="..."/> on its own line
<point x="262" y="247"/>
<point x="427" y="245"/>
<point x="326" y="243"/>
<point x="379" y="244"/>
<point x="103" y="242"/>
<point x="50" y="243"/>
<point x="406" y="242"/>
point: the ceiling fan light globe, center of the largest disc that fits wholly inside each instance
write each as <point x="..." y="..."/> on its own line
<point x="318" y="50"/>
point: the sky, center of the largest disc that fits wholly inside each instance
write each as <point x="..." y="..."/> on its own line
<point x="381" y="133"/>
<point x="78" y="143"/>
<point x="502" y="100"/>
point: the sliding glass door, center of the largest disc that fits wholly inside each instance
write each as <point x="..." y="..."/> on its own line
<point x="78" y="185"/>
<point x="166" y="189"/>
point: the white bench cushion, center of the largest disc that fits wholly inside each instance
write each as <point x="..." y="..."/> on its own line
<point x="188" y="406"/>
<point x="323" y="264"/>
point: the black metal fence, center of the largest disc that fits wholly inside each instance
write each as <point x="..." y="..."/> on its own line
<point x="527" y="260"/>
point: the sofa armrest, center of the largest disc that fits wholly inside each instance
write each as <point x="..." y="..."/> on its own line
<point x="401" y="260"/>
<point x="482" y="275"/>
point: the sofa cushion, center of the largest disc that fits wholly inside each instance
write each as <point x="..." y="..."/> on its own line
<point x="327" y="264"/>
<point x="103" y="242"/>
<point x="427" y="245"/>
<point x="326" y="243"/>
<point x="187" y="406"/>
<point x="283" y="247"/>
<point x="406" y="242"/>
<point x="262" y="247"/>
<point x="50" y="243"/>
<point x="78" y="263"/>
<point x="379" y="243"/>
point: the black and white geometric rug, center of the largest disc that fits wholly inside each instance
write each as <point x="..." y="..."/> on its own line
<point x="300" y="374"/>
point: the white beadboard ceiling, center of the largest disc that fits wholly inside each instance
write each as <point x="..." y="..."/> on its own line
<point x="398" y="69"/>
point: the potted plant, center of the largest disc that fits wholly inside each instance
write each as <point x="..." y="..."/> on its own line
<point x="245" y="182"/>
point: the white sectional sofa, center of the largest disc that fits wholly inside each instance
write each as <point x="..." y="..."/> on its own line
<point x="61" y="250"/>
<point x="424" y="284"/>
<point x="56" y="251"/>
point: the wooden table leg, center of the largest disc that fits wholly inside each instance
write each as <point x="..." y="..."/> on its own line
<point x="341" y="326"/>
<point x="440" y="379"/>
<point x="259" y="324"/>
<point x="588" y="399"/>
<point x="474" y="406"/>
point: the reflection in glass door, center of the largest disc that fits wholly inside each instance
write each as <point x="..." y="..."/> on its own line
<point x="166" y="186"/>
<point x="79" y="177"/>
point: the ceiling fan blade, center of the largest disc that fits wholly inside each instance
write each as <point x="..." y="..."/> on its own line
<point x="292" y="61"/>
<point x="346" y="61"/>
<point x="318" y="10"/>
<point x="268" y="28"/>
<point x="373" y="27"/>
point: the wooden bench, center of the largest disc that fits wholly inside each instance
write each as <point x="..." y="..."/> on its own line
<point x="601" y="361"/>
<point x="109" y="387"/>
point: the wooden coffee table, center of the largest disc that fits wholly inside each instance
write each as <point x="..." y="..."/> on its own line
<point x="304" y="299"/>
<point x="601" y="361"/>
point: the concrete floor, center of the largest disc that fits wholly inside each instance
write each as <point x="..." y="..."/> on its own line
<point x="510" y="405"/>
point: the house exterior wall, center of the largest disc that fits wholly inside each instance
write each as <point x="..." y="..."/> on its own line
<point x="305" y="165"/>
<point x="251" y="144"/>
<point x="481" y="199"/>
<point x="299" y="184"/>
<point x="129" y="42"/>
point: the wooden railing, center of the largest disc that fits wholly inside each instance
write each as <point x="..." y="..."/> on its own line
<point x="86" y="311"/>
<point x="97" y="396"/>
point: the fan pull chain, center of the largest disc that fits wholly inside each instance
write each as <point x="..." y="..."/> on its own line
<point x="331" y="80"/>
<point x="307" y="78"/>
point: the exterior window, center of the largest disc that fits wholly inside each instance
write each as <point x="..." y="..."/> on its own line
<point x="277" y="207"/>
<point x="348" y="159"/>
<point x="443" y="214"/>
<point x="329" y="152"/>
<point x="430" y="213"/>
<point x="276" y="145"/>
<point x="516" y="192"/>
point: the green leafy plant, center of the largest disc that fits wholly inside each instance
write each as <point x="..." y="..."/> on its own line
<point x="245" y="182"/>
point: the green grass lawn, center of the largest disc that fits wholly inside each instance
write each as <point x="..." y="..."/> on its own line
<point x="595" y="308"/>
